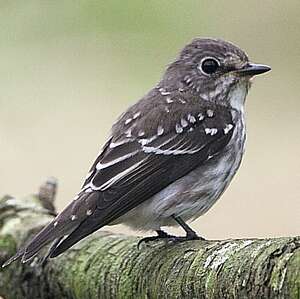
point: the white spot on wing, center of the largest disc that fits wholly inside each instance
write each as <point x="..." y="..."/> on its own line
<point x="136" y="115"/>
<point x="73" y="217"/>
<point x="141" y="133"/>
<point x="228" y="128"/>
<point x="128" y="133"/>
<point x="187" y="79"/>
<point x="148" y="140"/>
<point x="210" y="113"/>
<point x="163" y="91"/>
<point x="160" y="130"/>
<point x="55" y="223"/>
<point x="178" y="129"/>
<point x="184" y="123"/>
<point x="211" y="131"/>
<point x="89" y="212"/>
<point x="128" y="120"/>
<point x="200" y="116"/>
<point x="169" y="100"/>
<point x="191" y="119"/>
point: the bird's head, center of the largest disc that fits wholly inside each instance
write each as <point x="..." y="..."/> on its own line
<point x="215" y="69"/>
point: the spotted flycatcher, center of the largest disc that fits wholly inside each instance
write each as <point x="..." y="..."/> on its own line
<point x="169" y="157"/>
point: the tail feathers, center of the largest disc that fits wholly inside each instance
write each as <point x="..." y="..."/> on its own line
<point x="64" y="224"/>
<point x="14" y="258"/>
<point x="86" y="227"/>
<point x="67" y="243"/>
<point x="44" y="237"/>
<point x="49" y="233"/>
<point x="51" y="249"/>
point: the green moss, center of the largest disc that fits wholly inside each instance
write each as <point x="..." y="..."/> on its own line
<point x="7" y="249"/>
<point x="292" y="279"/>
<point x="110" y="266"/>
<point x="7" y="246"/>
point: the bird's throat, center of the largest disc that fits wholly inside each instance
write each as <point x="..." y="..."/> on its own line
<point x="237" y="96"/>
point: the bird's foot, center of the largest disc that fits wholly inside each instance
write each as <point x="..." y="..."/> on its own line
<point x="188" y="237"/>
<point x="161" y="235"/>
<point x="190" y="234"/>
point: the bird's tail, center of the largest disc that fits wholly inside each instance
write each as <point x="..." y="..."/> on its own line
<point x="62" y="225"/>
<point x="43" y="238"/>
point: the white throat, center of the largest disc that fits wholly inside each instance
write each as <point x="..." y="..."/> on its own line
<point x="237" y="97"/>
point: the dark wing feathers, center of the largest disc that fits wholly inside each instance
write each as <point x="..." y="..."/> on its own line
<point x="154" y="171"/>
<point x="140" y="159"/>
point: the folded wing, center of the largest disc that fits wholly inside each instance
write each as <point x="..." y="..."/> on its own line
<point x="133" y="171"/>
<point x="140" y="159"/>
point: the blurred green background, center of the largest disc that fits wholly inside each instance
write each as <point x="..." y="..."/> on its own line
<point x="69" y="68"/>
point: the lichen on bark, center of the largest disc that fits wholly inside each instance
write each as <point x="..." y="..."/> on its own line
<point x="111" y="266"/>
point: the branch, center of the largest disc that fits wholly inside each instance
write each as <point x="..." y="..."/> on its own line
<point x="111" y="266"/>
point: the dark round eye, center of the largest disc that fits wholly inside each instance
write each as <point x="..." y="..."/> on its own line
<point x="209" y="66"/>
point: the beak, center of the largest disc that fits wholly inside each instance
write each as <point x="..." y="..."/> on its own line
<point x="252" y="69"/>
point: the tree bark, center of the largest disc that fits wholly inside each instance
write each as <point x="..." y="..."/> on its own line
<point x="105" y="265"/>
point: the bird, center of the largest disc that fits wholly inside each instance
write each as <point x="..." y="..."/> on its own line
<point x="169" y="157"/>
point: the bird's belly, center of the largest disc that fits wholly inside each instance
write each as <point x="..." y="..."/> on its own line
<point x="190" y="196"/>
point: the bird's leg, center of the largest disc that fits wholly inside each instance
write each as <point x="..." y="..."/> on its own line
<point x="190" y="234"/>
<point x="160" y="235"/>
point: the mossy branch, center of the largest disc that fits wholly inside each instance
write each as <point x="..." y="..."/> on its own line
<point x="111" y="266"/>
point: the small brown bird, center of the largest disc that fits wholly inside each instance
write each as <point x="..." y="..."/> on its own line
<point x="169" y="157"/>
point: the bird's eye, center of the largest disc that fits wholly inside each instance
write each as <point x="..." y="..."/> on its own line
<point x="209" y="65"/>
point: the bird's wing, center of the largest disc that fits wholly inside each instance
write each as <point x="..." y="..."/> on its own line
<point x="134" y="168"/>
<point x="144" y="155"/>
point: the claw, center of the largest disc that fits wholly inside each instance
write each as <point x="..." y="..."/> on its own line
<point x="147" y="240"/>
<point x="161" y="235"/>
<point x="180" y="239"/>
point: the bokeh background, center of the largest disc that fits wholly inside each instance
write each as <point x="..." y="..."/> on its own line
<point x="69" y="68"/>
